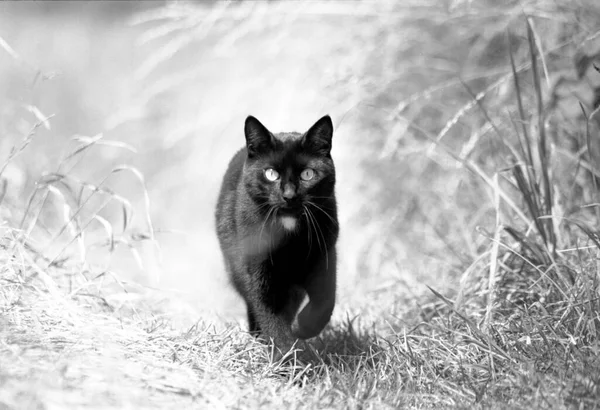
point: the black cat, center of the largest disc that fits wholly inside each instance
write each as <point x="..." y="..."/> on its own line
<point x="277" y="226"/>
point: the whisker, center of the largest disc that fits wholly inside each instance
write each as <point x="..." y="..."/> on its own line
<point x="323" y="211"/>
<point x="271" y="235"/>
<point x="321" y="197"/>
<point x="262" y="228"/>
<point x="248" y="218"/>
<point x="312" y="224"/>
<point x="309" y="229"/>
<point x="319" y="232"/>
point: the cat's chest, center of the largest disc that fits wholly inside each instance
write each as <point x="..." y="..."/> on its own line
<point x="293" y="260"/>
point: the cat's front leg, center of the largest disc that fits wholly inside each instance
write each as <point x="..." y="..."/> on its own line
<point x="271" y="312"/>
<point x="320" y="287"/>
<point x="273" y="328"/>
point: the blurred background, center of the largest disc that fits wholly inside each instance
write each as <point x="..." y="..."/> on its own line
<point x="167" y="86"/>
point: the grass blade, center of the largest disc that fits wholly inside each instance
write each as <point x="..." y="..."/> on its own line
<point x="549" y="234"/>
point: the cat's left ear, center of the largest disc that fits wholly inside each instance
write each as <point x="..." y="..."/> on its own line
<point x="318" y="137"/>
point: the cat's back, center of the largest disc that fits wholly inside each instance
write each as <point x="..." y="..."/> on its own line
<point x="234" y="172"/>
<point x="228" y="193"/>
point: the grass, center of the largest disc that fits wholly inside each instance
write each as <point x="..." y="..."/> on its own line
<point x="470" y="216"/>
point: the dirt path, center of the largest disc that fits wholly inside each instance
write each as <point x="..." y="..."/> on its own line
<point x="55" y="354"/>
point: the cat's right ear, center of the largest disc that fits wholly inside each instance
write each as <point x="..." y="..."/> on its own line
<point x="258" y="138"/>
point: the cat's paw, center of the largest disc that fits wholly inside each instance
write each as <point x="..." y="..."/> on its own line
<point x="287" y="351"/>
<point x="297" y="330"/>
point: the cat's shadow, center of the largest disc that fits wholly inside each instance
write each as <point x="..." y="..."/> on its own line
<point x="340" y="347"/>
<point x="345" y="341"/>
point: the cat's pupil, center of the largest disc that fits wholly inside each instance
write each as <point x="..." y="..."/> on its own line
<point x="307" y="174"/>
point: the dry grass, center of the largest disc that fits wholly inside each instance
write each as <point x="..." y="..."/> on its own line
<point x="479" y="179"/>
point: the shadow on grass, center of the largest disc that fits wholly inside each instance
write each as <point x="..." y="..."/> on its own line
<point x="341" y="348"/>
<point x="346" y="342"/>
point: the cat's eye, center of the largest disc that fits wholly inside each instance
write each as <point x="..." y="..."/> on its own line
<point x="271" y="174"/>
<point x="307" y="174"/>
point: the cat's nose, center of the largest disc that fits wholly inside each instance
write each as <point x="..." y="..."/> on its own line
<point x="289" y="192"/>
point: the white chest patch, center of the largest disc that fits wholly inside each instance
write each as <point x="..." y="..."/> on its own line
<point x="289" y="222"/>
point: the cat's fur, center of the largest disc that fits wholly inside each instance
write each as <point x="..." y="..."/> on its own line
<point x="278" y="237"/>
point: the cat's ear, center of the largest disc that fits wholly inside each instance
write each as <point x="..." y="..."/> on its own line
<point x="258" y="137"/>
<point x="318" y="137"/>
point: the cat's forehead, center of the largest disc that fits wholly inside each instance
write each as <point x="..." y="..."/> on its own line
<point x="288" y="136"/>
<point x="288" y="150"/>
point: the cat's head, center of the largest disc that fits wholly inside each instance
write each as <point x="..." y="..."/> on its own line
<point x="290" y="176"/>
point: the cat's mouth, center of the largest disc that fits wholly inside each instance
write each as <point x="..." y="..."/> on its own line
<point x="290" y="209"/>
